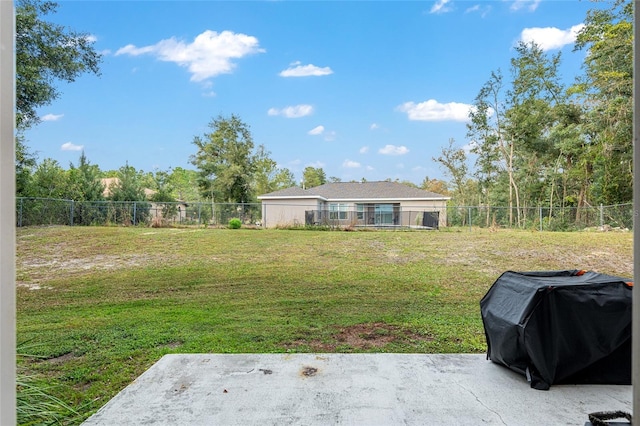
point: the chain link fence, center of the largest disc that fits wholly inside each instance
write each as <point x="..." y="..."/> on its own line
<point x="619" y="216"/>
<point x="46" y="211"/>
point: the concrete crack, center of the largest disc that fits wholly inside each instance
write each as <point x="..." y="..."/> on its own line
<point x="483" y="404"/>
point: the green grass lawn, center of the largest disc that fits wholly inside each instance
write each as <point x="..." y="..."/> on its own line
<point x="97" y="306"/>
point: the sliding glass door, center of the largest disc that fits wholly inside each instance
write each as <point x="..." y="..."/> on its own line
<point x="384" y="214"/>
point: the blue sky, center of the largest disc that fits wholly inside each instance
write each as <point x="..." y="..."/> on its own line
<point x="369" y="90"/>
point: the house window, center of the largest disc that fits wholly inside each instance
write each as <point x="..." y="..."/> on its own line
<point x="360" y="211"/>
<point x="337" y="211"/>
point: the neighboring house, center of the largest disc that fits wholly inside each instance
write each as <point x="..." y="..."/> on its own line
<point x="155" y="209"/>
<point x="356" y="204"/>
<point x="110" y="183"/>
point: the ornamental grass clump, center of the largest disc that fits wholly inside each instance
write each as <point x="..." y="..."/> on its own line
<point x="35" y="402"/>
<point x="235" y="223"/>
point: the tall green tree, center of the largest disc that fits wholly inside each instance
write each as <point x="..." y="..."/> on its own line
<point x="49" y="180"/>
<point x="313" y="176"/>
<point x="268" y="176"/>
<point x="491" y="143"/>
<point x="184" y="184"/>
<point x="85" y="187"/>
<point x="454" y="162"/>
<point x="535" y="101"/>
<point x="485" y="144"/>
<point x="163" y="194"/>
<point x="226" y="161"/>
<point x="162" y="187"/>
<point x="606" y="88"/>
<point x="525" y="135"/>
<point x="25" y="165"/>
<point x="46" y="53"/>
<point x="128" y="192"/>
<point x="128" y="186"/>
<point x="84" y="181"/>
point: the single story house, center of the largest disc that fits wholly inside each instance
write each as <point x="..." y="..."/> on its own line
<point x="355" y="204"/>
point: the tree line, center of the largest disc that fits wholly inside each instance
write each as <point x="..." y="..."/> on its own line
<point x="535" y="142"/>
<point x="539" y="143"/>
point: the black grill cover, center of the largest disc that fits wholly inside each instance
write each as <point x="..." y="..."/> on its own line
<point x="560" y="326"/>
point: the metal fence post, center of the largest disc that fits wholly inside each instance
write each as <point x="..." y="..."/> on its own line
<point x="71" y="213"/>
<point x="470" y="229"/>
<point x="134" y="213"/>
<point x="540" y="209"/>
<point x="601" y="215"/>
<point x="20" y="214"/>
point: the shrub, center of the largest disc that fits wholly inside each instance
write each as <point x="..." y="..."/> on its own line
<point x="235" y="223"/>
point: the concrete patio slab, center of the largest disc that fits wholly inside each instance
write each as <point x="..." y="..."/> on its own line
<point x="348" y="389"/>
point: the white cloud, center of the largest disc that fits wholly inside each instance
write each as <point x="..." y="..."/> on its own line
<point x="209" y="55"/>
<point x="370" y="168"/>
<point x="530" y="5"/>
<point x="316" y="164"/>
<point x="549" y="38"/>
<point x="295" y="111"/>
<point x="210" y="94"/>
<point x="364" y="150"/>
<point x="71" y="147"/>
<point x="374" y="126"/>
<point x="393" y="150"/>
<point x="441" y="7"/>
<point x="467" y="148"/>
<point x="432" y="110"/>
<point x="482" y="10"/>
<point x="348" y="164"/>
<point x="297" y="70"/>
<point x="316" y="130"/>
<point x="51" y="117"/>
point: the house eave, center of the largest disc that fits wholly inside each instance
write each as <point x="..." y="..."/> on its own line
<point x="291" y="197"/>
<point x="379" y="200"/>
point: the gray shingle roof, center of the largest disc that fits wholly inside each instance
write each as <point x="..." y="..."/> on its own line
<point x="357" y="191"/>
<point x="294" y="191"/>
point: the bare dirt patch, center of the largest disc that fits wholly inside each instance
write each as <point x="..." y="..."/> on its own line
<point x="31" y="286"/>
<point x="171" y="345"/>
<point x="362" y="337"/>
<point x="62" y="358"/>
<point x="36" y="270"/>
<point x="493" y="262"/>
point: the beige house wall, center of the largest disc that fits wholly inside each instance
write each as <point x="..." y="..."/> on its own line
<point x="291" y="212"/>
<point x="286" y="212"/>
